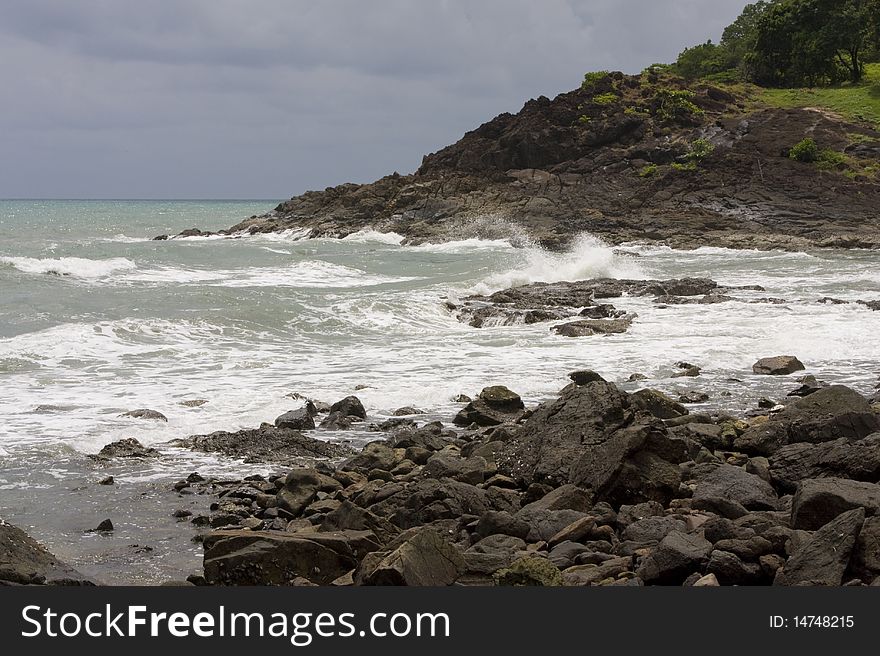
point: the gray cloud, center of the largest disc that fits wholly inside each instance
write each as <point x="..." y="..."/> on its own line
<point x="268" y="98"/>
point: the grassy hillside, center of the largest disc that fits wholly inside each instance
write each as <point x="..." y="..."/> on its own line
<point x="858" y="102"/>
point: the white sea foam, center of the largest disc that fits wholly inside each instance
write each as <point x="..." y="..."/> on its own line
<point x="464" y="246"/>
<point x="369" y="235"/>
<point x="77" y="267"/>
<point x="587" y="257"/>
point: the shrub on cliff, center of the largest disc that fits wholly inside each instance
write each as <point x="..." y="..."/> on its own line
<point x="675" y="105"/>
<point x="805" y="151"/>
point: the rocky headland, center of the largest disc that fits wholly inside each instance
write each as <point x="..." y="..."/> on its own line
<point x="626" y="158"/>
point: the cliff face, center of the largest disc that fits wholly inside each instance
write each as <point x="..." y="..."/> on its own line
<point x="626" y="158"/>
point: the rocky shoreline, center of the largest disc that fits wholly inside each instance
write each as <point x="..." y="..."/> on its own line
<point x="597" y="486"/>
<point x="611" y="159"/>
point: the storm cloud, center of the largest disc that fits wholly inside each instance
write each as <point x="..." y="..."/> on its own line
<point x="269" y="98"/>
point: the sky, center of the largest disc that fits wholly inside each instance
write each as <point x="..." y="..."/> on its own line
<point x="269" y="98"/>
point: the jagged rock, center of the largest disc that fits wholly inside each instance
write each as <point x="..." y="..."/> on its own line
<point x="127" y="448"/>
<point x="564" y="497"/>
<point x="467" y="470"/>
<point x="237" y="557"/>
<point x="831" y="413"/>
<point x="842" y="458"/>
<point x="824" y="558"/>
<point x="729" y="569"/>
<point x="586" y="437"/>
<point x="818" y="501"/>
<point x="677" y="555"/>
<point x="494" y="405"/>
<point x="779" y="365"/>
<point x="296" y="420"/>
<point x="425" y="559"/>
<point x="653" y="529"/>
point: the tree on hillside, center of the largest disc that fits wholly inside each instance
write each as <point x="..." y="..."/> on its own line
<point x="811" y="42"/>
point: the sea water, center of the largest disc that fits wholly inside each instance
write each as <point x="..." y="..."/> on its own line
<point x="97" y="319"/>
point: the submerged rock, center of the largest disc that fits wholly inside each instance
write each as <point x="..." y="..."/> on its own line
<point x="145" y="413"/>
<point x="126" y="448"/>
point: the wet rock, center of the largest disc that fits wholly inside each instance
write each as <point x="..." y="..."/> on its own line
<point x="858" y="460"/>
<point x="819" y="501"/>
<point x="24" y="561"/>
<point x="686" y="370"/>
<point x="350" y="406"/>
<point x="106" y="526"/>
<point x="274" y="558"/>
<point x="425" y="559"/>
<point x="494" y="405"/>
<point x="107" y="480"/>
<point x="127" y="448"/>
<point x="824" y="558"/>
<point x="266" y="444"/>
<point x="584" y="376"/>
<point x="828" y="414"/>
<point x="588" y="327"/>
<point x="407" y="411"/>
<point x="693" y="397"/>
<point x="193" y="403"/>
<point x="678" y="555"/>
<point x="779" y="365"/>
<point x="296" y="420"/>
<point x="144" y="413"/>
<point x="657" y="404"/>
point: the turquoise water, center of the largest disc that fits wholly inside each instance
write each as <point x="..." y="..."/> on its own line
<point x="97" y="319"/>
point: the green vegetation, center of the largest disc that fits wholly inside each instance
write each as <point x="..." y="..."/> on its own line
<point x="791" y="43"/>
<point x="606" y="98"/>
<point x="690" y="161"/>
<point x="648" y="171"/>
<point x="805" y="151"/>
<point x="673" y="105"/>
<point x="592" y="78"/>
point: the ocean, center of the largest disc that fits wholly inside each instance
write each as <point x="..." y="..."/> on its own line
<point x="96" y="319"/>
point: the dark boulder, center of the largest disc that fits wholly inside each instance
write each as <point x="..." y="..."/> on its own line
<point x="425" y="559"/>
<point x="296" y="420"/>
<point x="276" y="558"/>
<point x="428" y="500"/>
<point x="494" y="405"/>
<point x="735" y="484"/>
<point x="824" y="558"/>
<point x="656" y="403"/>
<point x="818" y="501"/>
<point x="678" y="555"/>
<point x="350" y="406"/>
<point x="497" y="522"/>
<point x="858" y="460"/>
<point x="301" y="487"/>
<point x="779" y="365"/>
<point x="828" y="414"/>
